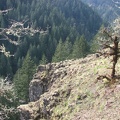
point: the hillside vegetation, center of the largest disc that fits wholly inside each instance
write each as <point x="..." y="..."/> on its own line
<point x="67" y="27"/>
<point x="109" y="10"/>
<point x="65" y="20"/>
<point x="69" y="90"/>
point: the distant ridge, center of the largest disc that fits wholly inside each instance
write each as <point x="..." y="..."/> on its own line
<point x="107" y="9"/>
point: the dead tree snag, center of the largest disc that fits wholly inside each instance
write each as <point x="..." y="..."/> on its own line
<point x="115" y="56"/>
<point x="112" y="44"/>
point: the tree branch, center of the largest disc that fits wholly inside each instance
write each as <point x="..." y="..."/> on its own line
<point x="110" y="36"/>
<point x="5" y="11"/>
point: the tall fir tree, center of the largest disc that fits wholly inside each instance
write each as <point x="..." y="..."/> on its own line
<point x="95" y="44"/>
<point x="23" y="77"/>
<point x="67" y="49"/>
<point x="58" y="53"/>
<point x="43" y="60"/>
<point x="80" y="48"/>
<point x="63" y="51"/>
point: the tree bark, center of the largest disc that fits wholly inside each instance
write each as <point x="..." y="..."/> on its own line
<point x="115" y="56"/>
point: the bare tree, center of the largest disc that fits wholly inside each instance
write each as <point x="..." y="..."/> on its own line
<point x="18" y="30"/>
<point x="111" y="41"/>
<point x="5" y="11"/>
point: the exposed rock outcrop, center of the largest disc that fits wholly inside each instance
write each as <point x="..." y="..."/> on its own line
<point x="62" y="91"/>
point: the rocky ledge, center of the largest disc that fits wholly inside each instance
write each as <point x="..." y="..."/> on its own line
<point x="68" y="90"/>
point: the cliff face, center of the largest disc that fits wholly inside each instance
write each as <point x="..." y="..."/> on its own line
<point x="68" y="90"/>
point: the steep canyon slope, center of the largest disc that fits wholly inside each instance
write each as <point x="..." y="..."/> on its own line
<point x="68" y="90"/>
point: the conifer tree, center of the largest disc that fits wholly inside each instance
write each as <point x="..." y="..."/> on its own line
<point x="95" y="45"/>
<point x="58" y="53"/>
<point x="43" y="60"/>
<point x="23" y="77"/>
<point x="67" y="49"/>
<point x="80" y="48"/>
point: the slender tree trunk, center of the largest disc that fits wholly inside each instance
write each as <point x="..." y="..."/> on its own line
<point x="115" y="57"/>
<point x="113" y="71"/>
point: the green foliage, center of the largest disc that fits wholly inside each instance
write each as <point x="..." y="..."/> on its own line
<point x="67" y="49"/>
<point x="8" y="106"/>
<point x="8" y="102"/>
<point x="5" y="66"/>
<point x="95" y="44"/>
<point x="58" y="56"/>
<point x="80" y="48"/>
<point x="2" y="22"/>
<point x="63" y="51"/>
<point x="43" y="60"/>
<point x="23" y="77"/>
<point x="63" y="19"/>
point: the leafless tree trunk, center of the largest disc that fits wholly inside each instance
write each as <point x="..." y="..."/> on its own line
<point x="115" y="56"/>
<point x="114" y="52"/>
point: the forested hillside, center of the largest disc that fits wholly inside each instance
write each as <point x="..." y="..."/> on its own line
<point x="70" y="25"/>
<point x="109" y="10"/>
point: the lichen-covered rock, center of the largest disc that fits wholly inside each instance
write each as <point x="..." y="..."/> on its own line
<point x="44" y="78"/>
<point x="30" y="111"/>
<point x="36" y="89"/>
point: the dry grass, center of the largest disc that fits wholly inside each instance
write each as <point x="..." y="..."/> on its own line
<point x="79" y="96"/>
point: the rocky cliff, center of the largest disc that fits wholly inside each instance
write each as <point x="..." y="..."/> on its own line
<point x="69" y="90"/>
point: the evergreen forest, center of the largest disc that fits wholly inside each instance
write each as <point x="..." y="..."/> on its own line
<point x="70" y="26"/>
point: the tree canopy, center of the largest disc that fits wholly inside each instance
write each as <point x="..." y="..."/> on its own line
<point x="66" y="19"/>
